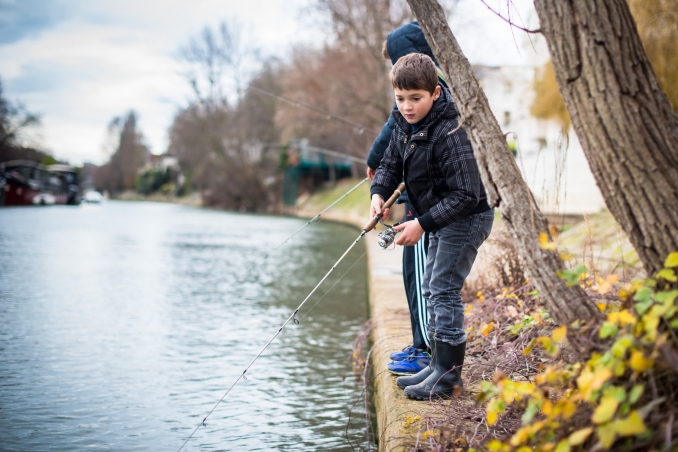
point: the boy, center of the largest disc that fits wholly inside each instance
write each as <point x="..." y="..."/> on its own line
<point x="444" y="186"/>
<point x="406" y="39"/>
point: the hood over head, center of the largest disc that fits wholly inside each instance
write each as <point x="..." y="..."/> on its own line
<point x="407" y="39"/>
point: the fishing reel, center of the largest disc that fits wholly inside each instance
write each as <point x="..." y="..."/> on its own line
<point x="387" y="237"/>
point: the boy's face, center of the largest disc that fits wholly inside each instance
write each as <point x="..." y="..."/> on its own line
<point x="414" y="104"/>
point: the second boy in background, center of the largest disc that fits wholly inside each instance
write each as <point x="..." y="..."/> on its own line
<point x="404" y="40"/>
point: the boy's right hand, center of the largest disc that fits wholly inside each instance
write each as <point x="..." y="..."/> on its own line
<point x="375" y="207"/>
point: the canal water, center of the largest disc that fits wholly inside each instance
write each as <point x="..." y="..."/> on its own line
<point x="123" y="324"/>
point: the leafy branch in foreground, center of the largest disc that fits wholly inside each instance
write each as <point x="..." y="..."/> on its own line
<point x="613" y="398"/>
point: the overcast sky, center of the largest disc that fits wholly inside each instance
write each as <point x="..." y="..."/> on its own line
<point x="79" y="64"/>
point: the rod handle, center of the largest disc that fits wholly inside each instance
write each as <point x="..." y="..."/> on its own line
<point x="389" y="202"/>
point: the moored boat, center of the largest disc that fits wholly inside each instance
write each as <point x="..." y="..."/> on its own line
<point x="24" y="183"/>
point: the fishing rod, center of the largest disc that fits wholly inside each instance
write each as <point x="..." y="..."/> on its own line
<point x="308" y="223"/>
<point x="361" y="128"/>
<point x="293" y="317"/>
<point x="322" y="151"/>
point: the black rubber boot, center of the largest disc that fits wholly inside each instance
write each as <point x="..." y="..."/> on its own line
<point x="417" y="378"/>
<point x="446" y="375"/>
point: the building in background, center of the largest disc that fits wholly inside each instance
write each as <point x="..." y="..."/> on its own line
<point x="553" y="165"/>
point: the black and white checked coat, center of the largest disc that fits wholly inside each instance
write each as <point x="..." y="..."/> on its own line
<point x="440" y="172"/>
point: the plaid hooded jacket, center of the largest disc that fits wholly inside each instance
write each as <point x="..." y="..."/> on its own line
<point x="440" y="172"/>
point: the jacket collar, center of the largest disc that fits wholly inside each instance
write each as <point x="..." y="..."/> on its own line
<point x="443" y="107"/>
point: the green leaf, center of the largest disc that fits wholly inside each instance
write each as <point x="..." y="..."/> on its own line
<point x="643" y="306"/>
<point x="530" y="411"/>
<point x="667" y="274"/>
<point x="674" y="324"/>
<point x="671" y="260"/>
<point x="616" y="392"/>
<point x="608" y="330"/>
<point x="643" y="294"/>
<point x="604" y="412"/>
<point x="666" y="296"/>
<point x="635" y="393"/>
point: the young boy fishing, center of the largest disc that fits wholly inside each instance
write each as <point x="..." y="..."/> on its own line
<point x="443" y="182"/>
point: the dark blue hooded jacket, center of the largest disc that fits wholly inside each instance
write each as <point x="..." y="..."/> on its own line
<point x="402" y="41"/>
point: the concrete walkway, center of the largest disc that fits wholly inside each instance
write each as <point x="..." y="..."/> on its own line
<point x="400" y="420"/>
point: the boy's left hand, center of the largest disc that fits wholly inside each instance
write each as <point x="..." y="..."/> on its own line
<point x="412" y="232"/>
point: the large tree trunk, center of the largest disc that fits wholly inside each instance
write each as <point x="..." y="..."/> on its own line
<point x="623" y="119"/>
<point x="502" y="179"/>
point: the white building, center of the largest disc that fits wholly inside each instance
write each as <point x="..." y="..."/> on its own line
<point x="556" y="171"/>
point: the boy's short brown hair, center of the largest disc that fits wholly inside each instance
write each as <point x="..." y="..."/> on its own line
<point x="414" y="71"/>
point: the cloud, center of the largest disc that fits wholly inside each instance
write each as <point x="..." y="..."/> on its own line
<point x="21" y="19"/>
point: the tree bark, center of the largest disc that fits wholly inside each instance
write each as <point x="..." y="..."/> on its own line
<point x="500" y="174"/>
<point x="623" y="119"/>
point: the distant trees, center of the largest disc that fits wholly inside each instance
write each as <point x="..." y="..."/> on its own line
<point x="15" y="123"/>
<point x="128" y="156"/>
<point x="227" y="145"/>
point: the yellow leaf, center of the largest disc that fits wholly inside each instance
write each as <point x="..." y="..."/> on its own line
<point x="428" y="433"/>
<point x="559" y="334"/>
<point x="588" y="381"/>
<point x="547" y="407"/>
<point x="604" y="288"/>
<point x="580" y="436"/>
<point x="508" y="395"/>
<point x="607" y="435"/>
<point x="495" y="445"/>
<point x="671" y="260"/>
<point x="605" y="411"/>
<point x="601" y="306"/>
<point x="409" y="420"/>
<point x="520" y="436"/>
<point x="632" y="425"/>
<point x="563" y="446"/>
<point x="569" y="409"/>
<point x="626" y="318"/>
<point x="639" y="363"/>
<point x="492" y="417"/>
<point x="545" y="243"/>
<point x="487" y="329"/>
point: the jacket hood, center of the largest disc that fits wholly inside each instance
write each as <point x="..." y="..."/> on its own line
<point x="407" y="39"/>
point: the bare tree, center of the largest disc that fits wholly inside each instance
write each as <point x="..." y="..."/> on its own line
<point x="15" y="120"/>
<point x="625" y="122"/>
<point x="120" y="171"/>
<point x="500" y="174"/>
<point x="213" y="57"/>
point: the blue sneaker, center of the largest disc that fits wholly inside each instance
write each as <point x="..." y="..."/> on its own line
<point x="410" y="365"/>
<point x="404" y="353"/>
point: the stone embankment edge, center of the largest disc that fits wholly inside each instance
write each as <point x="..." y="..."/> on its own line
<point x="400" y="421"/>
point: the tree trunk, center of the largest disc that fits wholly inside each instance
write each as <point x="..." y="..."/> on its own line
<point x="623" y="119"/>
<point x="500" y="174"/>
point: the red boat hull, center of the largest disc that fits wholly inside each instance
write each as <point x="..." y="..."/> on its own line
<point x="24" y="195"/>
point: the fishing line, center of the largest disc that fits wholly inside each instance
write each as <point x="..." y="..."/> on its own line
<point x="332" y="287"/>
<point x="361" y="128"/>
<point x="308" y="223"/>
<point x="292" y="317"/>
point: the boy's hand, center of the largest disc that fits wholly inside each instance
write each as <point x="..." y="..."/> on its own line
<point x="375" y="207"/>
<point x="371" y="172"/>
<point x="412" y="232"/>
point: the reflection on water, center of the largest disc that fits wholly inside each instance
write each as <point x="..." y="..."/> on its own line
<point x="123" y="324"/>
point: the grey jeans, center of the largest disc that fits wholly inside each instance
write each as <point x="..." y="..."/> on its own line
<point x="451" y="253"/>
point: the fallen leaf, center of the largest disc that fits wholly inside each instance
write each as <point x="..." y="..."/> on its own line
<point x="579" y="436"/>
<point x="559" y="334"/>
